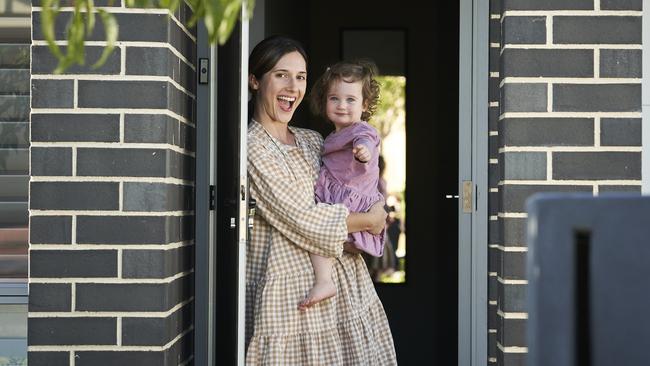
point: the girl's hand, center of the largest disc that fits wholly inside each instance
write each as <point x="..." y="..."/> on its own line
<point x="361" y="153"/>
<point x="378" y="221"/>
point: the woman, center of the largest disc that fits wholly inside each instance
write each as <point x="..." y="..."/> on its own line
<point x="283" y="164"/>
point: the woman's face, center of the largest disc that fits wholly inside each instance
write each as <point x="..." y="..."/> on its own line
<point x="281" y="89"/>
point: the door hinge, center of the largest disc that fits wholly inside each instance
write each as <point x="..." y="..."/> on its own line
<point x="468" y="189"/>
<point x="211" y="204"/>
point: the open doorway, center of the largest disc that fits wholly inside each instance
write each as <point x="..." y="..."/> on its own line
<point x="422" y="307"/>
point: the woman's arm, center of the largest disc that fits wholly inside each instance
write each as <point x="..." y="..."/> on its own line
<point x="372" y="221"/>
<point x="317" y="228"/>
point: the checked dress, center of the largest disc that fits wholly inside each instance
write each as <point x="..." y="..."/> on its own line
<point x="349" y="329"/>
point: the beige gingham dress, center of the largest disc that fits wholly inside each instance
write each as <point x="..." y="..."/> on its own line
<point x="348" y="329"/>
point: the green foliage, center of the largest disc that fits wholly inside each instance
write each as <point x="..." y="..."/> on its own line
<point x="220" y="17"/>
<point x="390" y="111"/>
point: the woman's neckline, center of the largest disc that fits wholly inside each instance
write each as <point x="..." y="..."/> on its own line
<point x="277" y="140"/>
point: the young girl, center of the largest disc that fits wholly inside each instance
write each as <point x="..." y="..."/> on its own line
<point x="347" y="95"/>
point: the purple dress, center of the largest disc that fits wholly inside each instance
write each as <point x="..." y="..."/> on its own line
<point x="343" y="179"/>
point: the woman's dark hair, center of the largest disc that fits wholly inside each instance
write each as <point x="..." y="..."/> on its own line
<point x="349" y="72"/>
<point x="268" y="52"/>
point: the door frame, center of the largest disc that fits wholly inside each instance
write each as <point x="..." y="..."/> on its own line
<point x="473" y="167"/>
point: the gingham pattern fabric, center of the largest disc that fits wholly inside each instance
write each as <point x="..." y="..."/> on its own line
<point x="348" y="329"/>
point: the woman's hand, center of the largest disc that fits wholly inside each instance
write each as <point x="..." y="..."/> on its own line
<point x="377" y="218"/>
<point x="372" y="221"/>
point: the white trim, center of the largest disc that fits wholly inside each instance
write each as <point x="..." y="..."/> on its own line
<point x="549" y="30"/>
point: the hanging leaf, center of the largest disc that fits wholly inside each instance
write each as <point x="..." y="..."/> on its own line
<point x="219" y="16"/>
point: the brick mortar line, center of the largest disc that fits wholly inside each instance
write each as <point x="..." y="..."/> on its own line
<point x="493" y="161"/>
<point x="143" y="44"/>
<point x="74" y="159"/>
<point x="119" y="263"/>
<point x="512" y="314"/>
<point x="555" y="80"/>
<point x="512" y="215"/>
<point x="549" y="30"/>
<point x="111" y="280"/>
<point x="112" y="179"/>
<point x="63" y="247"/>
<point x="597" y="125"/>
<point x="549" y="165"/>
<point x="73" y="227"/>
<point x="512" y="349"/>
<point x="625" y="182"/>
<point x="511" y="282"/>
<point x="79" y="247"/>
<point x="33" y="212"/>
<point x="155" y="111"/>
<point x="597" y="63"/>
<point x="99" y="348"/>
<point x="94" y="77"/>
<point x="122" y="59"/>
<point x="569" y="115"/>
<point x="111" y="314"/>
<point x="597" y="5"/>
<point x="508" y="149"/>
<point x="512" y="249"/>
<point x="493" y="218"/>
<point x="577" y="46"/>
<point x="125" y="10"/>
<point x="592" y="13"/>
<point x="117" y="145"/>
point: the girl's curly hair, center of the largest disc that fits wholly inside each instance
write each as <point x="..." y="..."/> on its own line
<point x="351" y="72"/>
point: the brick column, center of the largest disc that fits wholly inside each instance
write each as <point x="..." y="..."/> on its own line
<point x="111" y="197"/>
<point x="570" y="108"/>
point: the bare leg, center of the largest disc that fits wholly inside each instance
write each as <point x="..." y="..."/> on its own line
<point x="323" y="285"/>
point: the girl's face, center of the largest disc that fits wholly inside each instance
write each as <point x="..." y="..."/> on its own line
<point x="345" y="103"/>
<point x="280" y="90"/>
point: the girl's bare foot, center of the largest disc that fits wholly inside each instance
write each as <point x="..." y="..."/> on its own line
<point x="322" y="290"/>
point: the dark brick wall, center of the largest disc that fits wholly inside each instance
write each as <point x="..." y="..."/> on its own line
<point x="566" y="119"/>
<point x="111" y="198"/>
